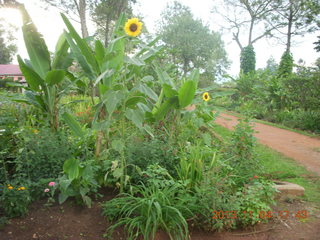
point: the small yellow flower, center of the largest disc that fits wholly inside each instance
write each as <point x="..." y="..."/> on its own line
<point x="133" y="27"/>
<point x="10" y="187"/>
<point x="22" y="188"/>
<point x="19" y="189"/>
<point x="206" y="96"/>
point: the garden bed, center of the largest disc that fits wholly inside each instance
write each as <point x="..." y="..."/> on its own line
<point x="70" y="221"/>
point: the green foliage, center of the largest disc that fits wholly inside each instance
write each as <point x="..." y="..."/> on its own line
<point x="248" y="59"/>
<point x="14" y="199"/>
<point x="156" y="151"/>
<point x="150" y="209"/>
<point x="79" y="181"/>
<point x="255" y="201"/>
<point x="190" y="43"/>
<point x="286" y="65"/>
<point x="44" y="80"/>
<point x="42" y="153"/>
<point x="7" y="46"/>
<point x="243" y="158"/>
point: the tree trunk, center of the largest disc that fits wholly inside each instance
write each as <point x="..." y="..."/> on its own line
<point x="82" y="15"/>
<point x="250" y="32"/>
<point x="290" y="22"/>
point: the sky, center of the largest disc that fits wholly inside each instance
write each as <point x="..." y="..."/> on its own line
<point x="50" y="24"/>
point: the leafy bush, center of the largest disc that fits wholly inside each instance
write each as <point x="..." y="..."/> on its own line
<point x="150" y="209"/>
<point x="155" y="151"/>
<point x="241" y="150"/>
<point x="79" y="181"/>
<point x="42" y="154"/>
<point x="15" y="199"/>
<point x="255" y="201"/>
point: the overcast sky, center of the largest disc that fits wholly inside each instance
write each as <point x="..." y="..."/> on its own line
<point x="49" y="23"/>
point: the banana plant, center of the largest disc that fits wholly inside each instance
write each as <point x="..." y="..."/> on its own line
<point x="43" y="75"/>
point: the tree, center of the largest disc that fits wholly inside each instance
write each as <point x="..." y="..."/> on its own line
<point x="106" y="12"/>
<point x="73" y="8"/>
<point x="245" y="16"/>
<point x="248" y="60"/>
<point x="296" y="18"/>
<point x="190" y="44"/>
<point x="8" y="48"/>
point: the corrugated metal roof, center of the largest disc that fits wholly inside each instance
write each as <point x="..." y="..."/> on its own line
<point x="10" y="69"/>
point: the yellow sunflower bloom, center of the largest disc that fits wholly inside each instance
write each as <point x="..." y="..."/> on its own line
<point x="206" y="96"/>
<point x="22" y="188"/>
<point x="10" y="187"/>
<point x="133" y="27"/>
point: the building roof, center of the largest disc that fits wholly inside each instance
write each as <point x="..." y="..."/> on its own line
<point x="10" y="69"/>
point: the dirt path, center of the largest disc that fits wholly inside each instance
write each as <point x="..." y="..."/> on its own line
<point x="303" y="149"/>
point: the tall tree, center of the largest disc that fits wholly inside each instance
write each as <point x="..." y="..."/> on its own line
<point x="250" y="18"/>
<point x="106" y="12"/>
<point x="296" y="18"/>
<point x="74" y="8"/>
<point x="191" y="44"/>
<point x="8" y="47"/>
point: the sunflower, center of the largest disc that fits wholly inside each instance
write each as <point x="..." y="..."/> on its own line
<point x="133" y="27"/>
<point x="206" y="96"/>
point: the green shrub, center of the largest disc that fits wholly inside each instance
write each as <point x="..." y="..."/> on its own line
<point x="42" y="154"/>
<point x="154" y="151"/>
<point x="241" y="151"/>
<point x="15" y="199"/>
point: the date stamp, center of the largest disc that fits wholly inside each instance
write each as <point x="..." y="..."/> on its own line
<point x="301" y="214"/>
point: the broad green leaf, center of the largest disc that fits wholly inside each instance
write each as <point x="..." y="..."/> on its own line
<point x="118" y="173"/>
<point x="100" y="52"/>
<point x="163" y="76"/>
<point x="73" y="124"/>
<point x="82" y="44"/>
<point x="147" y="79"/>
<point x="168" y="91"/>
<point x="35" y="45"/>
<point x="132" y="101"/>
<point x="117" y="145"/>
<point x="136" y="116"/>
<point x="118" y="29"/>
<point x="63" y="197"/>
<point x="71" y="168"/>
<point x="134" y="61"/>
<point x="106" y="74"/>
<point x="195" y="75"/>
<point x="55" y="77"/>
<point x="186" y="93"/>
<point x="62" y="59"/>
<point x="79" y="56"/>
<point x="165" y="107"/>
<point x="147" y="91"/>
<point x="117" y="47"/>
<point x="112" y="100"/>
<point x="32" y="78"/>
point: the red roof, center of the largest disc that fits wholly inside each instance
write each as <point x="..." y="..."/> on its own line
<point x="10" y="69"/>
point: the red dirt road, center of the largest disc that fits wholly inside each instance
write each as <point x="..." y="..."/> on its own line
<point x="305" y="150"/>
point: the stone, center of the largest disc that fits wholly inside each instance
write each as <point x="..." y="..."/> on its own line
<point x="289" y="189"/>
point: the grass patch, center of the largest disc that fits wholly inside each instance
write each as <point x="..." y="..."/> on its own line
<point x="278" y="167"/>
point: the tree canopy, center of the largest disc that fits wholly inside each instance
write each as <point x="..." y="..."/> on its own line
<point x="8" y="48"/>
<point x="191" y="44"/>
